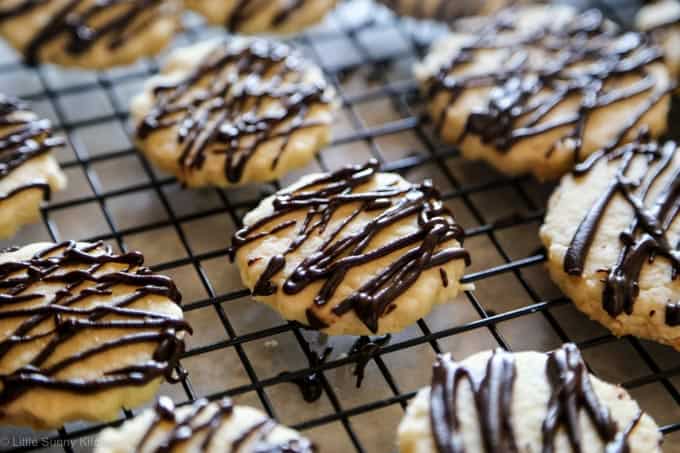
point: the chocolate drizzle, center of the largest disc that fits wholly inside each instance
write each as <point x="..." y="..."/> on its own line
<point x="342" y="250"/>
<point x="51" y="319"/>
<point x="83" y="23"/>
<point x="571" y="394"/>
<point x="311" y="385"/>
<point x="207" y="419"/>
<point x="241" y="96"/>
<point x="365" y="349"/>
<point x="22" y="138"/>
<point x="645" y="239"/>
<point x="493" y="400"/>
<point x="581" y="60"/>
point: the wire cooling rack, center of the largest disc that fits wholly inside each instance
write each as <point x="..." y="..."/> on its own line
<point x="242" y="349"/>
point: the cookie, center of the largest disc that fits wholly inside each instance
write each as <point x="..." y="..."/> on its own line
<point x="525" y="402"/>
<point x="537" y="89"/>
<point x="662" y="20"/>
<point x="263" y="16"/>
<point x="202" y="427"/>
<point x="228" y="113"/>
<point x="89" y="34"/>
<point x="28" y="171"/>
<point x="352" y="252"/>
<point x="446" y="10"/>
<point x="612" y="232"/>
<point x="84" y="332"/>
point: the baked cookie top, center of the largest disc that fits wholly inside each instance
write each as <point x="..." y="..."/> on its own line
<point x="88" y="33"/>
<point x="524" y="402"/>
<point x="354" y="251"/>
<point x="77" y="323"/>
<point x="263" y="16"/>
<point x="225" y="113"/>
<point x="536" y="89"/>
<point x="23" y="137"/>
<point x="202" y="427"/>
<point x="612" y="233"/>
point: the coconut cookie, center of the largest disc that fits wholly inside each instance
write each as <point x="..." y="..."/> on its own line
<point x="263" y="16"/>
<point x="662" y="20"/>
<point x="202" y="427"/>
<point x="537" y="89"/>
<point x="84" y="332"/>
<point x="612" y="232"/>
<point x="227" y="113"/>
<point x="89" y="34"/>
<point x="28" y="171"/>
<point x="526" y="402"/>
<point x="353" y="252"/>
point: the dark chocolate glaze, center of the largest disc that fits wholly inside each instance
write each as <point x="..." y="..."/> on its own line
<point x="526" y="94"/>
<point x="673" y="314"/>
<point x="571" y="394"/>
<point x="230" y="115"/>
<point x="75" y="23"/>
<point x="82" y="272"/>
<point x="310" y="385"/>
<point x="196" y="422"/>
<point x="364" y="349"/>
<point x="22" y="138"/>
<point x="493" y="400"/>
<point x="362" y="352"/>
<point x="444" y="276"/>
<point x="341" y="251"/>
<point x="645" y="239"/>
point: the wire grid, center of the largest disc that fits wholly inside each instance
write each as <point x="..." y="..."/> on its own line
<point x="380" y="107"/>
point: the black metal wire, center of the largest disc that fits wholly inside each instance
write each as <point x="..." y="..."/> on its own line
<point x="403" y="97"/>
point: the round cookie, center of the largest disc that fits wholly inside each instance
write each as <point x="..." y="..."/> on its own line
<point x="263" y="16"/>
<point x="84" y="332"/>
<point x="89" y="34"/>
<point x="539" y="88"/>
<point x="528" y="402"/>
<point x="28" y="171"/>
<point x="662" y="20"/>
<point x="447" y="10"/>
<point x="228" y="113"/>
<point x="202" y="427"/>
<point x="612" y="232"/>
<point x="353" y="252"/>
